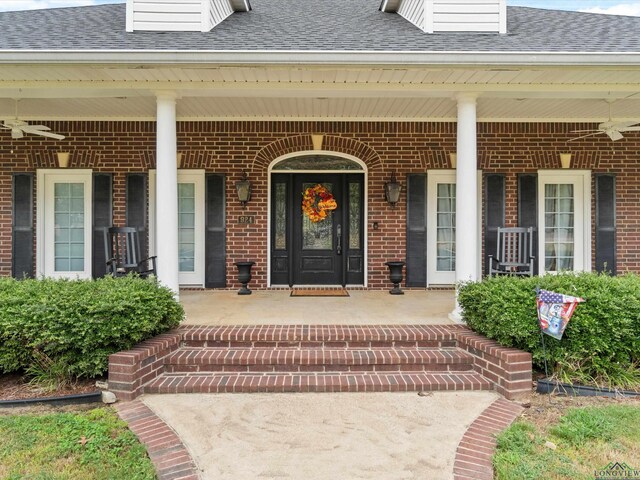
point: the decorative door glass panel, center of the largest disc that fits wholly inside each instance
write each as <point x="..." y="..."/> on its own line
<point x="316" y="162"/>
<point x="317" y="235"/>
<point x="281" y="217"/>
<point x="355" y="215"/>
<point x="559" y="229"/>
<point x="186" y="226"/>
<point x="446" y="227"/>
<point x="69" y="227"/>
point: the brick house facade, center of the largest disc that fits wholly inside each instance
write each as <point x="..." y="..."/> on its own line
<point x="231" y="148"/>
<point x="473" y="124"/>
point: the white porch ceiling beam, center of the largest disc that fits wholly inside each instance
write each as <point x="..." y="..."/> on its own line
<point x="79" y="89"/>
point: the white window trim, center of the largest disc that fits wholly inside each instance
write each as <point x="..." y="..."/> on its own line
<point x="435" y="277"/>
<point x="43" y="250"/>
<point x="582" y="238"/>
<point x="197" y="176"/>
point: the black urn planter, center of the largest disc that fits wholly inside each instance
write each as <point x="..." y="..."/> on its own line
<point x="395" y="275"/>
<point x="244" y="276"/>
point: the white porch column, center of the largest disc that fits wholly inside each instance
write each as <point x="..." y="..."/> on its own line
<point x="466" y="194"/>
<point x="167" y="191"/>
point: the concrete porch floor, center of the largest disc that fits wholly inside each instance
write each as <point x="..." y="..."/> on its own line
<point x="217" y="307"/>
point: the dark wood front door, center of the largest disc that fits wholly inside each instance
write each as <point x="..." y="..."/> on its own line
<point x="317" y="246"/>
<point x="326" y="252"/>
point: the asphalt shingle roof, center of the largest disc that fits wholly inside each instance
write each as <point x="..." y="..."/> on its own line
<point x="321" y="25"/>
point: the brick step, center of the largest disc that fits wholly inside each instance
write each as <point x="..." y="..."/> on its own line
<point x="326" y="336"/>
<point x="188" y="359"/>
<point x="315" y="382"/>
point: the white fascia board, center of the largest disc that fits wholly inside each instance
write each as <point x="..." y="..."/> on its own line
<point x="298" y="57"/>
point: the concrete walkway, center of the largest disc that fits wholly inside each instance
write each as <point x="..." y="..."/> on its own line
<point x="223" y="307"/>
<point x="322" y="436"/>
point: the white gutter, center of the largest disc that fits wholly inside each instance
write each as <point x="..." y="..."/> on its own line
<point x="307" y="57"/>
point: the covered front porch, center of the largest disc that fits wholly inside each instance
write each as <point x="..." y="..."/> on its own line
<point x="278" y="307"/>
<point x="467" y="157"/>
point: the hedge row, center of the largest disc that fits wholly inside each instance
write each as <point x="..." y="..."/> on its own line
<point x="80" y="322"/>
<point x="602" y="341"/>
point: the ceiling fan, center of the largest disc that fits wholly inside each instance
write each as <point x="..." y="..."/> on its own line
<point x="19" y="128"/>
<point x="613" y="130"/>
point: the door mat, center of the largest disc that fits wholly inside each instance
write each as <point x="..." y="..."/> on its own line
<point x="319" y="292"/>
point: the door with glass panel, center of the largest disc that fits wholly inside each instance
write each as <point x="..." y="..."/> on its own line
<point x="441" y="227"/>
<point x="317" y="229"/>
<point x="191" y="256"/>
<point x="191" y="228"/>
<point x="64" y="224"/>
<point x="564" y="243"/>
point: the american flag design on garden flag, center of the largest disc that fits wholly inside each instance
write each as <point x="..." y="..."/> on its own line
<point x="554" y="311"/>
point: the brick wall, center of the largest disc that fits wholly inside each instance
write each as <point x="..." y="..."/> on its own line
<point x="403" y="147"/>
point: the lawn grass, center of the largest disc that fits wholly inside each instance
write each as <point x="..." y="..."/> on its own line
<point x="587" y="439"/>
<point x="92" y="445"/>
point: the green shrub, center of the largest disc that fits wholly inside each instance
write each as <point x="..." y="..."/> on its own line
<point x="602" y="341"/>
<point x="78" y="323"/>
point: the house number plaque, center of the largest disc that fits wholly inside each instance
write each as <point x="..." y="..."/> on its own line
<point x="246" y="219"/>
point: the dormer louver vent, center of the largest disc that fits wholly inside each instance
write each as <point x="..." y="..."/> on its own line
<point x="180" y="15"/>
<point x="434" y="16"/>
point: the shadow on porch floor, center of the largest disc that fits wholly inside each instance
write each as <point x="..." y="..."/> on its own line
<point x="216" y="307"/>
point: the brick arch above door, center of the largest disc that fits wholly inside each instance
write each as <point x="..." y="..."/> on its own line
<point x="304" y="143"/>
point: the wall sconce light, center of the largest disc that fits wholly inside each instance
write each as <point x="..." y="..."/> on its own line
<point x="453" y="158"/>
<point x="178" y="159"/>
<point x="63" y="159"/>
<point x="565" y="160"/>
<point x="243" y="187"/>
<point x="392" y="190"/>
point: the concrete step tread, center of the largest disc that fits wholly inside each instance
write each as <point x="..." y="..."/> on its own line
<point x="319" y="333"/>
<point x="315" y="382"/>
<point x="317" y="356"/>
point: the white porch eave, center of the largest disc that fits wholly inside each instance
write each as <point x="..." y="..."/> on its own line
<point x="103" y="90"/>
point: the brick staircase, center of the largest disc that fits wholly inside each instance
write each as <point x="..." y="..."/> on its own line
<point x="315" y="358"/>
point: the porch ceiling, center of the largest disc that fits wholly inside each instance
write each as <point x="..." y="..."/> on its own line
<point x="302" y="92"/>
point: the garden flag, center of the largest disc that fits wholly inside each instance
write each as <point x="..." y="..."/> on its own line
<point x="554" y="311"/>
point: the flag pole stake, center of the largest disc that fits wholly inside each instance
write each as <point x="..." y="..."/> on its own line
<point x="544" y="349"/>
<point x="544" y="355"/>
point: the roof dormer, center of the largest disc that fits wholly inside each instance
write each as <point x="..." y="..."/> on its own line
<point x="180" y="15"/>
<point x="433" y="16"/>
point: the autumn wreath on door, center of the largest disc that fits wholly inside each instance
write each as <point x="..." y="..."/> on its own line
<point x="317" y="201"/>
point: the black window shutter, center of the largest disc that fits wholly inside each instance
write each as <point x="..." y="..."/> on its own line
<point x="606" y="223"/>
<point x="416" y="230"/>
<point x="494" y="204"/>
<point x="136" y="207"/>
<point x="215" y="242"/>
<point x="528" y="209"/>
<point x="22" y="231"/>
<point x="102" y="219"/>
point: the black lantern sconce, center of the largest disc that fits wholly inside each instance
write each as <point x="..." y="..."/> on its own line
<point x="392" y="190"/>
<point x="243" y="187"/>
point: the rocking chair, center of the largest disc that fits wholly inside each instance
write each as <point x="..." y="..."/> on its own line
<point x="514" y="253"/>
<point x="122" y="251"/>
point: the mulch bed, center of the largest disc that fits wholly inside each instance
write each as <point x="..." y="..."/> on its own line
<point x="15" y="387"/>
<point x="543" y="410"/>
